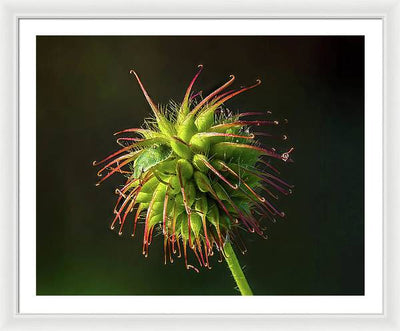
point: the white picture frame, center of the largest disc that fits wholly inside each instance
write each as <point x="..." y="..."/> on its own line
<point x="13" y="12"/>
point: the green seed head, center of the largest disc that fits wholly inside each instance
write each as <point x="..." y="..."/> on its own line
<point x="196" y="173"/>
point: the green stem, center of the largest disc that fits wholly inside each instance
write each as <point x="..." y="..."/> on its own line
<point x="236" y="270"/>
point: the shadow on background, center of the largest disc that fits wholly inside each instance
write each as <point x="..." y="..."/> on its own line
<point x="85" y="94"/>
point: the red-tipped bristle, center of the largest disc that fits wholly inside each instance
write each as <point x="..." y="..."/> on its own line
<point x="265" y="209"/>
<point x="128" y="130"/>
<point x="264" y="151"/>
<point x="200" y="248"/>
<point x="218" y="97"/>
<point x="211" y="190"/>
<point x="170" y="252"/>
<point x="121" y="193"/>
<point x="278" y="179"/>
<point x="127" y="210"/>
<point x="195" y="95"/>
<point x="179" y="248"/>
<point x="138" y="211"/>
<point x="242" y="181"/>
<point x="165" y="247"/>
<point x="197" y="255"/>
<point x="165" y="213"/>
<point x="114" y="170"/>
<point x="203" y="219"/>
<point x="253" y="113"/>
<point x="180" y="140"/>
<point x="220" y="251"/>
<point x="128" y="183"/>
<point x="269" y="192"/>
<point x="257" y="123"/>
<point x="150" y="239"/>
<point x="215" y="171"/>
<point x="146" y="226"/>
<point x="189" y="89"/>
<point x="183" y="191"/>
<point x="281" y="214"/>
<point x="99" y="173"/>
<point x="250" y="225"/>
<point x="269" y="166"/>
<point x="206" y="99"/>
<point x="240" y="124"/>
<point x="116" y="205"/>
<point x="276" y="186"/>
<point x="243" y="248"/>
<point x="120" y="171"/>
<point x="189" y="228"/>
<point x="173" y="232"/>
<point x="146" y="95"/>
<point x="128" y="139"/>
<point x="185" y="202"/>
<point x="118" y="214"/>
<point x="218" y="134"/>
<point x="273" y="184"/>
<point x="185" y="253"/>
<point x="95" y="163"/>
<point x="230" y="96"/>
<point x="189" y="266"/>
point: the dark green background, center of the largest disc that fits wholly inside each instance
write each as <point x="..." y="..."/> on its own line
<point x="85" y="94"/>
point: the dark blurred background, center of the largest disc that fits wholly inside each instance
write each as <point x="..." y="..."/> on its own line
<point x="85" y="94"/>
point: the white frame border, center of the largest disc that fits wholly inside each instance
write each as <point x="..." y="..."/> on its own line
<point x="388" y="10"/>
<point x="369" y="303"/>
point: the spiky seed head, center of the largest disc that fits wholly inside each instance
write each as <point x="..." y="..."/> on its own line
<point x="196" y="173"/>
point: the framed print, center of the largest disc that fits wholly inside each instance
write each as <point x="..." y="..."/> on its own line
<point x="202" y="167"/>
<point x="206" y="194"/>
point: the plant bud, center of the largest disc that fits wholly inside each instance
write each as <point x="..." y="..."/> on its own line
<point x="202" y="181"/>
<point x="185" y="168"/>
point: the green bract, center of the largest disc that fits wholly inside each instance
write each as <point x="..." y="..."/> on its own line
<point x="196" y="173"/>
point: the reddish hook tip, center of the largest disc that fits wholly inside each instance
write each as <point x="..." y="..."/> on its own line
<point x="200" y="66"/>
<point x="132" y="71"/>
